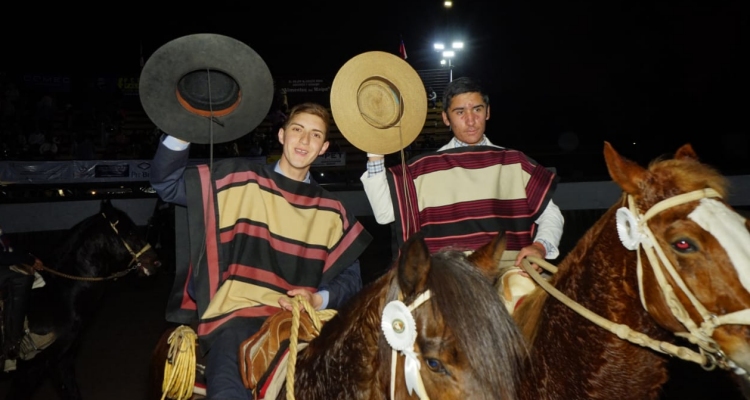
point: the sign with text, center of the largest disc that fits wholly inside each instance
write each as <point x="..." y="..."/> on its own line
<point x="301" y="90"/>
<point x="331" y="159"/>
<point x="47" y="82"/>
<point x="128" y="85"/>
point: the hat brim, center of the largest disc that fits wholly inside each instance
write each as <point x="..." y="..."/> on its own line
<point x="199" y="52"/>
<point x="346" y="113"/>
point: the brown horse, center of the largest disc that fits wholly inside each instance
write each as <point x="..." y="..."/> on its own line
<point x="666" y="269"/>
<point x="466" y="345"/>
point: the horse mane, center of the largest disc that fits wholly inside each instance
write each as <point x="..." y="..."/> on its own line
<point x="73" y="237"/>
<point x="80" y="232"/>
<point x="685" y="175"/>
<point x="453" y="280"/>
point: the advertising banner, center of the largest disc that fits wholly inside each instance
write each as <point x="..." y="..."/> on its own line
<point x="48" y="82"/>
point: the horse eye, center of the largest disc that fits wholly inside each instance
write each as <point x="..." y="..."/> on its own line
<point x="684" y="246"/>
<point x="434" y="365"/>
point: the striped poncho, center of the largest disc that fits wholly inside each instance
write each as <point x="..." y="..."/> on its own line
<point x="462" y="197"/>
<point x="253" y="235"/>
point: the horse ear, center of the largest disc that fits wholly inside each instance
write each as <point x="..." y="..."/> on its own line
<point x="487" y="257"/>
<point x="413" y="265"/>
<point x="626" y="173"/>
<point x="105" y="205"/>
<point x="686" y="151"/>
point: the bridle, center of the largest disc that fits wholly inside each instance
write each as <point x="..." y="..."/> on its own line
<point x="400" y="331"/>
<point x="134" y="264"/>
<point x="635" y="234"/>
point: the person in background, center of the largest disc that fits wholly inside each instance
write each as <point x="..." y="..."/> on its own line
<point x="16" y="281"/>
<point x="431" y="97"/>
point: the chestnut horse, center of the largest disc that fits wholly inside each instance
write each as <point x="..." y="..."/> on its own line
<point x="666" y="270"/>
<point x="465" y="344"/>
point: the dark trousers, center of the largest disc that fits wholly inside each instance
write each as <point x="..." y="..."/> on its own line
<point x="223" y="380"/>
<point x="17" y="290"/>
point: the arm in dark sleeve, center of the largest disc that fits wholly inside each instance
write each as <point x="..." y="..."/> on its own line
<point x="344" y="286"/>
<point x="167" y="174"/>
<point x="15" y="258"/>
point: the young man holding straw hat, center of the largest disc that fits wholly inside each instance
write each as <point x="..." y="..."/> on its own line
<point x="460" y="196"/>
<point x="258" y="234"/>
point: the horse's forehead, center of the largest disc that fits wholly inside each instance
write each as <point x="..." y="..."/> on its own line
<point x="730" y="230"/>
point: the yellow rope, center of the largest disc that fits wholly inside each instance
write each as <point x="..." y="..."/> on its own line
<point x="317" y="317"/>
<point x="179" y="370"/>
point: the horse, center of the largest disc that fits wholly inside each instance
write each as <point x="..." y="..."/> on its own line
<point x="463" y="343"/>
<point x="103" y="247"/>
<point x="663" y="273"/>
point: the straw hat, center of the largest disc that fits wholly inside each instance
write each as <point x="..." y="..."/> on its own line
<point x="378" y="102"/>
<point x="174" y="86"/>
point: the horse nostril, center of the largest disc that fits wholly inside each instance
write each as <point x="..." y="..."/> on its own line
<point x="157" y="264"/>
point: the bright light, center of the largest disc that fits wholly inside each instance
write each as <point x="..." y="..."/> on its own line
<point x="439" y="46"/>
<point x="442" y="62"/>
<point x="448" y="4"/>
<point x="449" y="54"/>
<point x="458" y="45"/>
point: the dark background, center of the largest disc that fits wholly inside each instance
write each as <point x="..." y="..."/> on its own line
<point x="563" y="76"/>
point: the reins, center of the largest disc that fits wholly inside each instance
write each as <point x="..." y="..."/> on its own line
<point x="317" y="317"/>
<point x="636" y="235"/>
<point x="134" y="263"/>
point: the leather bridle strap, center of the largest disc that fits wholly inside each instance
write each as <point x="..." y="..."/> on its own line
<point x="710" y="354"/>
<point x="127" y="246"/>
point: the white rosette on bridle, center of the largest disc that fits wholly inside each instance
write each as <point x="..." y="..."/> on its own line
<point x="400" y="331"/>
<point x="629" y="230"/>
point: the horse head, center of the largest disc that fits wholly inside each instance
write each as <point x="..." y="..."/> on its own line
<point x="132" y="244"/>
<point x="695" y="252"/>
<point x="464" y="345"/>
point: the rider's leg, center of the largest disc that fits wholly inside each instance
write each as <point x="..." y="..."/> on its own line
<point x="223" y="379"/>
<point x="18" y="287"/>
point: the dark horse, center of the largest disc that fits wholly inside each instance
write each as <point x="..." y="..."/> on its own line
<point x="466" y="344"/>
<point x="666" y="268"/>
<point x="102" y="247"/>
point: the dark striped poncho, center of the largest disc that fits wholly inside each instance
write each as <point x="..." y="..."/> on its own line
<point x="253" y="235"/>
<point x="462" y="197"/>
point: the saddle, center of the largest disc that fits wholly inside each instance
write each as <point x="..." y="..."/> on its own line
<point x="263" y="356"/>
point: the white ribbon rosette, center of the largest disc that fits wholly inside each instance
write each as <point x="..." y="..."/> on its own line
<point x="629" y="230"/>
<point x="400" y="331"/>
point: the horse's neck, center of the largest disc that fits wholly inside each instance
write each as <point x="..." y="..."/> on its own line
<point x="95" y="252"/>
<point x="599" y="274"/>
<point x="347" y="343"/>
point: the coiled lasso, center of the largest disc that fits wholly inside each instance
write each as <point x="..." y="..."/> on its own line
<point x="179" y="370"/>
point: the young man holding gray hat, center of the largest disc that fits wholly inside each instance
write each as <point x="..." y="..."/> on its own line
<point x="259" y="235"/>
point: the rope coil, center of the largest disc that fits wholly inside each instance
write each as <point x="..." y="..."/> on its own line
<point x="179" y="370"/>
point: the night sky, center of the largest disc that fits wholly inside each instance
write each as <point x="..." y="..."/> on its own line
<point x="563" y="76"/>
